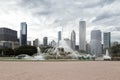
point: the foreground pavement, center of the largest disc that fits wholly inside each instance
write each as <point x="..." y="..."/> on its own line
<point x="72" y="70"/>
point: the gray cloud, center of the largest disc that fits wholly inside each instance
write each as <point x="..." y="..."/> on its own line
<point x="64" y="13"/>
<point x="106" y="15"/>
<point x="97" y="3"/>
<point x="46" y="15"/>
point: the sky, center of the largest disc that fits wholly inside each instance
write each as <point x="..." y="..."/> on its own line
<point x="46" y="17"/>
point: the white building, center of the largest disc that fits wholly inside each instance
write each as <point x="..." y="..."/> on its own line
<point x="82" y="35"/>
<point x="95" y="43"/>
<point x="73" y="40"/>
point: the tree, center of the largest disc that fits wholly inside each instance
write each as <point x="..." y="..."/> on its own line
<point x="115" y="51"/>
<point x="8" y="52"/>
<point x="0" y="52"/>
<point x="29" y="50"/>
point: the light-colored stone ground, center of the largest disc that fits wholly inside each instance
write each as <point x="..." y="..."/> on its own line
<point x="60" y="70"/>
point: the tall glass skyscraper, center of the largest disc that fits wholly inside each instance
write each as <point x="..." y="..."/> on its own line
<point x="107" y="39"/>
<point x="82" y="35"/>
<point x="23" y="34"/>
<point x="95" y="43"/>
<point x="73" y="40"/>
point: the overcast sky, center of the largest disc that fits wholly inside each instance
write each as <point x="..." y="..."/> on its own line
<point x="45" y="17"/>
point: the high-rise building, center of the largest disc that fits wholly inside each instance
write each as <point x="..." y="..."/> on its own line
<point x="36" y="42"/>
<point x="96" y="35"/>
<point x="45" y="41"/>
<point x="7" y="34"/>
<point x="23" y="34"/>
<point x="59" y="37"/>
<point x="95" y="43"/>
<point x="82" y="35"/>
<point x="73" y="40"/>
<point x="107" y="39"/>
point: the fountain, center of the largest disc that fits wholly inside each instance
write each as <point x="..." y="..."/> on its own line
<point x="63" y="51"/>
<point x="38" y="56"/>
<point x="107" y="56"/>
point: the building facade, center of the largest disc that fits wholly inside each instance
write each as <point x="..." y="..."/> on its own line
<point x="23" y="34"/>
<point x="95" y="43"/>
<point x="9" y="44"/>
<point x="7" y="34"/>
<point x="36" y="42"/>
<point x="107" y="39"/>
<point x="59" y="37"/>
<point x="45" y="41"/>
<point x="82" y="35"/>
<point x="73" y="40"/>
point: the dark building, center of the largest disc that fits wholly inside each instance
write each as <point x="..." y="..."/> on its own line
<point x="23" y="34"/>
<point x="45" y="41"/>
<point x="7" y="34"/>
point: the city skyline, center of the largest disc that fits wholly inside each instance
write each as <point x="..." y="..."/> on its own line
<point x="45" y="16"/>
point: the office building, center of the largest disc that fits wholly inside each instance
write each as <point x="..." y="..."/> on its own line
<point x="36" y="42"/>
<point x="7" y="34"/>
<point x="9" y="44"/>
<point x="23" y="34"/>
<point x="82" y="35"/>
<point x="45" y="41"/>
<point x="95" y="43"/>
<point x="59" y="37"/>
<point x="107" y="39"/>
<point x="73" y="40"/>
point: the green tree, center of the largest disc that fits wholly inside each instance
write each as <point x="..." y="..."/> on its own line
<point x="29" y="50"/>
<point x="8" y="52"/>
<point x="115" y="51"/>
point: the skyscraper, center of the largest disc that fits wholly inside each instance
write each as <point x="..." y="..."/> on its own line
<point x="59" y="37"/>
<point x="107" y="39"/>
<point x="23" y="34"/>
<point x="73" y="40"/>
<point x="82" y="35"/>
<point x="95" y="43"/>
<point x="45" y="41"/>
<point x="96" y="35"/>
